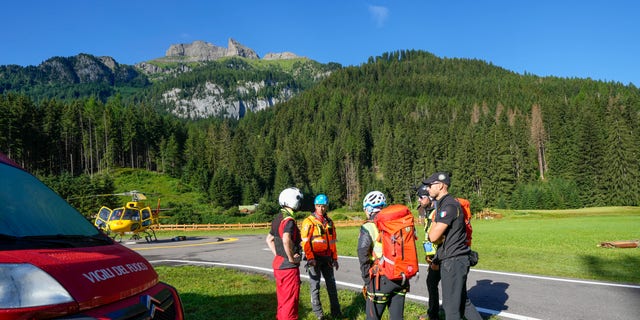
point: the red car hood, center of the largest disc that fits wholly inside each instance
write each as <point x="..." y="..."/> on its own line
<point x="93" y="275"/>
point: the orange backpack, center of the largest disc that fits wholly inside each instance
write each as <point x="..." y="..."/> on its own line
<point x="466" y="209"/>
<point x="397" y="234"/>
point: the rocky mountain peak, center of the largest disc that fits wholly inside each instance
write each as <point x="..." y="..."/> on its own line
<point x="206" y="51"/>
<point x="237" y="49"/>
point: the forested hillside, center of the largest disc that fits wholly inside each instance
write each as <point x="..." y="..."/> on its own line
<point x="68" y="78"/>
<point x="509" y="140"/>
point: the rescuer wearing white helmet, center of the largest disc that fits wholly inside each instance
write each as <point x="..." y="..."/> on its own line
<point x="284" y="241"/>
<point x="386" y="293"/>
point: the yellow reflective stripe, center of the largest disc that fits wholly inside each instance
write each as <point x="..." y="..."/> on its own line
<point x="378" y="297"/>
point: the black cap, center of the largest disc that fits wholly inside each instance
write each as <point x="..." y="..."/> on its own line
<point x="443" y="177"/>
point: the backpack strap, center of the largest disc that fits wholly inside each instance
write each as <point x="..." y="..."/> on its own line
<point x="309" y="235"/>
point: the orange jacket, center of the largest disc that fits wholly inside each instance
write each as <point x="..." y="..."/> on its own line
<point x="318" y="238"/>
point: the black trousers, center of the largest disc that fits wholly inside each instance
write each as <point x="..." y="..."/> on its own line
<point x="456" y="304"/>
<point x="433" y="280"/>
<point x="390" y="294"/>
<point x="323" y="268"/>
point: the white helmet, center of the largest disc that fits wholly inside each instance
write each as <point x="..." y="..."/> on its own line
<point x="373" y="199"/>
<point x="290" y="197"/>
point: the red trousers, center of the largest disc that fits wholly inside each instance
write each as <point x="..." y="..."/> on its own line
<point x="288" y="293"/>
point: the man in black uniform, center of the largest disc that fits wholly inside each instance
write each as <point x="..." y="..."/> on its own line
<point x="453" y="253"/>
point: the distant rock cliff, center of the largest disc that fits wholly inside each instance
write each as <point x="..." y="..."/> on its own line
<point x="197" y="51"/>
<point x="227" y="98"/>
<point x="205" y="51"/>
<point x="280" y="56"/>
<point x="212" y="99"/>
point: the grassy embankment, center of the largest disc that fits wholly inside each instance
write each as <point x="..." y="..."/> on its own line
<point x="561" y="243"/>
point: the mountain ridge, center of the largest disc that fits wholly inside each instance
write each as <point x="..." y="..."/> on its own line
<point x="86" y="75"/>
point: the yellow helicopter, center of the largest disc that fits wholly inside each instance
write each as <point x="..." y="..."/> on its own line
<point x="134" y="218"/>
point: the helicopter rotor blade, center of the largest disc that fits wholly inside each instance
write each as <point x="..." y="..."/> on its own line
<point x="135" y="194"/>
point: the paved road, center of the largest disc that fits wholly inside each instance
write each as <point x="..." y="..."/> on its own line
<point x="507" y="295"/>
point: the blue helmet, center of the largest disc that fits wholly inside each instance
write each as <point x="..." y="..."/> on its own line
<point x="321" y="199"/>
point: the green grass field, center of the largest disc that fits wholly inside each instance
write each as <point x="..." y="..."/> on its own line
<point x="218" y="293"/>
<point x="562" y="243"/>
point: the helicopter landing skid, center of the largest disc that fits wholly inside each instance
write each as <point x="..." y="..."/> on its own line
<point x="135" y="237"/>
<point x="115" y="237"/>
<point x="150" y="236"/>
<point x="147" y="236"/>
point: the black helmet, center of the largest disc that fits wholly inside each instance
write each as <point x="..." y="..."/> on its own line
<point x="422" y="191"/>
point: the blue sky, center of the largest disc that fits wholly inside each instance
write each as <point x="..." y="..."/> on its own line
<point x="594" y="39"/>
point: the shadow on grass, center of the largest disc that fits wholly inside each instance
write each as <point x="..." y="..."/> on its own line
<point x="622" y="269"/>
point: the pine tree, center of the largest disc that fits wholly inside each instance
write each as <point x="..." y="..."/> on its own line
<point x="620" y="174"/>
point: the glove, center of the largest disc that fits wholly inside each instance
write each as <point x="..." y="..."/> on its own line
<point x="312" y="262"/>
<point x="335" y="264"/>
<point x="429" y="258"/>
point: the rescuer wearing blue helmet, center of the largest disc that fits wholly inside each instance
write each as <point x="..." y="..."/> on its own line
<point x="319" y="245"/>
<point x="321" y="199"/>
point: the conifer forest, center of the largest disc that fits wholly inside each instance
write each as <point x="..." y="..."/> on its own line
<point x="509" y="140"/>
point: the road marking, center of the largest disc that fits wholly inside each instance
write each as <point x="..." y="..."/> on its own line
<point x="610" y="284"/>
<point x="341" y="283"/>
<point x="227" y="240"/>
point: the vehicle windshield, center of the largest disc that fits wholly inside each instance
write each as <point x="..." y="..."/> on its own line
<point x="28" y="208"/>
<point x="116" y="215"/>
<point x="131" y="214"/>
